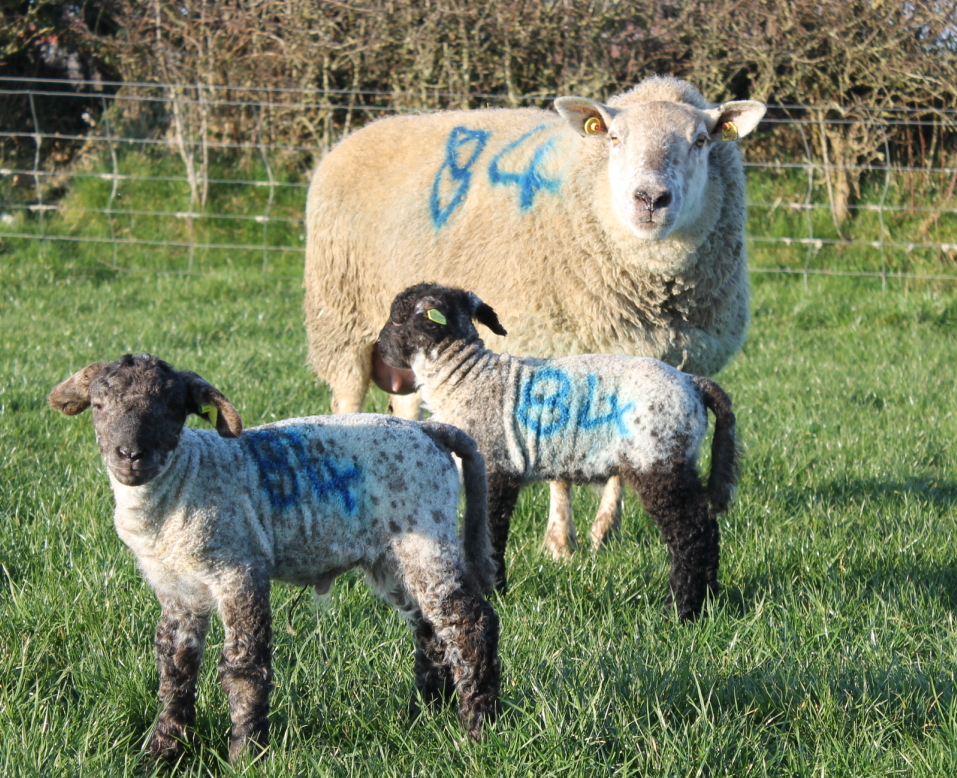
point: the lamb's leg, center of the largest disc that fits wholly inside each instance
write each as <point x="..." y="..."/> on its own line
<point x="179" y="650"/>
<point x="469" y="628"/>
<point x="674" y="497"/>
<point x="503" y="489"/>
<point x="561" y="541"/>
<point x="607" y="524"/>
<point x="245" y="669"/>
<point x="433" y="678"/>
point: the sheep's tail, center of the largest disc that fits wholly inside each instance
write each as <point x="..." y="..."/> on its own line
<point x="476" y="544"/>
<point x="725" y="455"/>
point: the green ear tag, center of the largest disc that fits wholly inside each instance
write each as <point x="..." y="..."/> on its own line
<point x="211" y="411"/>
<point x="436" y="316"/>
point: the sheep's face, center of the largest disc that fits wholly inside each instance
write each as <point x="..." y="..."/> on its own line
<point x="657" y="156"/>
<point x="427" y="316"/>
<point x="140" y="405"/>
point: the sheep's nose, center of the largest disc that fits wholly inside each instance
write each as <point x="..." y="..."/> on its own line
<point x="655" y="199"/>
<point x="130" y="453"/>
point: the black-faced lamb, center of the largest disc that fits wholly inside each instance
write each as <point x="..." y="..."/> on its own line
<point x="579" y="419"/>
<point x="611" y="228"/>
<point x="212" y="518"/>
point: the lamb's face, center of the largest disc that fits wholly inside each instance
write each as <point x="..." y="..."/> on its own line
<point x="140" y="405"/>
<point x="657" y="156"/>
<point x="427" y="315"/>
<point x="139" y="410"/>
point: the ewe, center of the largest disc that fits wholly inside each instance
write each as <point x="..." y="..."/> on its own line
<point x="213" y="518"/>
<point x="603" y="228"/>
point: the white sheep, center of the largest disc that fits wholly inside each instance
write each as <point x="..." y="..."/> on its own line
<point x="213" y="518"/>
<point x="603" y="228"/>
<point x="580" y="419"/>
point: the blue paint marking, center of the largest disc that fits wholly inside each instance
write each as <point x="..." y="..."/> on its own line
<point x="529" y="181"/>
<point x="284" y="462"/>
<point x="588" y="422"/>
<point x="546" y="400"/>
<point x="457" y="165"/>
<point x="544" y="403"/>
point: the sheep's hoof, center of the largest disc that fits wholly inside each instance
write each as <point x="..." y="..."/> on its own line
<point x="559" y="547"/>
<point x="166" y="747"/>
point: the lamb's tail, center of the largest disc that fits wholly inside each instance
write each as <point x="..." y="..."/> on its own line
<point x="476" y="545"/>
<point x="725" y="455"/>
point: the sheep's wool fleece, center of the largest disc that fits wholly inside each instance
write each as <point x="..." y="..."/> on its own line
<point x="575" y="416"/>
<point x="306" y="499"/>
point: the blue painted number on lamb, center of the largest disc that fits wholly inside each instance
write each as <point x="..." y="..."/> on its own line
<point x="547" y="400"/>
<point x="284" y="463"/>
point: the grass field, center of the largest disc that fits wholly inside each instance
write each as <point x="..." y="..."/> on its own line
<point x="831" y="651"/>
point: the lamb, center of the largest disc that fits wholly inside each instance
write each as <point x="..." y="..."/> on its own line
<point x="579" y="419"/>
<point x="610" y="228"/>
<point x="212" y="518"/>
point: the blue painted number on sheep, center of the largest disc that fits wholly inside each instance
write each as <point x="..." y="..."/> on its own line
<point x="462" y="149"/>
<point x="285" y="468"/>
<point x="528" y="181"/>
<point x="548" y="398"/>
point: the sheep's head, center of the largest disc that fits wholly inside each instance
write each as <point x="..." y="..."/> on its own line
<point x="426" y="315"/>
<point x="657" y="152"/>
<point x="140" y="404"/>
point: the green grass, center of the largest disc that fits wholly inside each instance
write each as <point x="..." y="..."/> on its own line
<point x="832" y="649"/>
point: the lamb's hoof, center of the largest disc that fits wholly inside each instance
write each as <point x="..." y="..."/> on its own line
<point x="165" y="747"/>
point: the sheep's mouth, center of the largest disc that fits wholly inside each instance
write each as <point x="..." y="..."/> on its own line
<point x="129" y="475"/>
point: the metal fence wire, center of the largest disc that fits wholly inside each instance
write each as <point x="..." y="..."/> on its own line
<point x="236" y="186"/>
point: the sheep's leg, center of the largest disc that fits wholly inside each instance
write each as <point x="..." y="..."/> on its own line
<point x="607" y="524"/>
<point x="674" y="497"/>
<point x="433" y="678"/>
<point x="470" y="627"/>
<point x="179" y="650"/>
<point x="350" y="382"/>
<point x="503" y="489"/>
<point x="561" y="540"/>
<point x="406" y="406"/>
<point x="245" y="669"/>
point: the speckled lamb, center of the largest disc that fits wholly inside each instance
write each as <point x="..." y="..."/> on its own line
<point x="580" y="419"/>
<point x="212" y="518"/>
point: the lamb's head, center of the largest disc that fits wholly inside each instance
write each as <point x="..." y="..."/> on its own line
<point x="657" y="150"/>
<point x="140" y="404"/>
<point x="425" y="316"/>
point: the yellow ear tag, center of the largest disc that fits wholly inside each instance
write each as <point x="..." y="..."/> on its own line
<point x="436" y="316"/>
<point x="211" y="411"/>
<point x="729" y="131"/>
<point x="592" y="125"/>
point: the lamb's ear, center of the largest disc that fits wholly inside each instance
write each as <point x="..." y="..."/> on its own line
<point x="730" y="121"/>
<point x="484" y="314"/>
<point x="586" y="117"/>
<point x="206" y="401"/>
<point x="73" y="395"/>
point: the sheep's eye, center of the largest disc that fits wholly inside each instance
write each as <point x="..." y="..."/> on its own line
<point x="97" y="405"/>
<point x="701" y="140"/>
<point x="615" y="140"/>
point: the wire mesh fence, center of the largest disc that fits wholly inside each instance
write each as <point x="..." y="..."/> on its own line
<point x="204" y="175"/>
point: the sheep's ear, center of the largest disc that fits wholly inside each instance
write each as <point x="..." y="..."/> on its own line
<point x="73" y="395"/>
<point x="484" y="314"/>
<point x="584" y="116"/>
<point x="730" y="121"/>
<point x="206" y="401"/>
